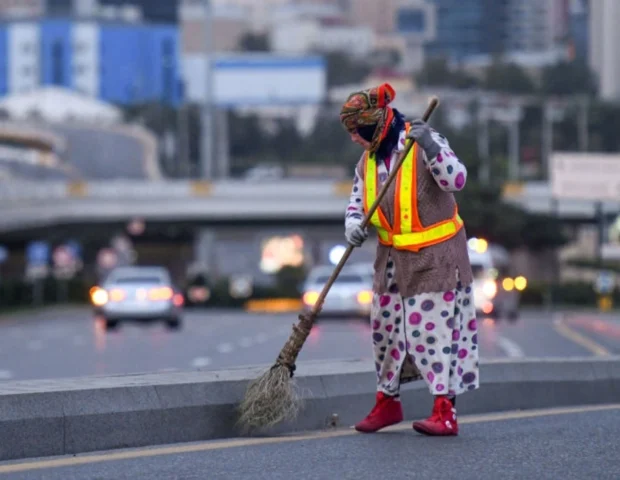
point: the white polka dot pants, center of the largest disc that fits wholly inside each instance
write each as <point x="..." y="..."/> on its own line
<point x="439" y="332"/>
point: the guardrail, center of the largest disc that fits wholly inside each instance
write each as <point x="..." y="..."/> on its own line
<point x="31" y="203"/>
<point x="283" y="190"/>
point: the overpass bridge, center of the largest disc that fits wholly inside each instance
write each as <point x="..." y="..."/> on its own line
<point x="27" y="205"/>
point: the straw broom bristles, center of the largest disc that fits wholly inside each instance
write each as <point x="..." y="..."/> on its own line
<point x="273" y="397"/>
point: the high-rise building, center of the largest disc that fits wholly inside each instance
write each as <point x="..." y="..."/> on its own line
<point x="604" y="38"/>
<point x="469" y="28"/>
<point x="123" y="63"/>
<point x="156" y="11"/>
<point x="578" y="29"/>
<point x="484" y="27"/>
<point x="21" y="8"/>
<point x="536" y="25"/>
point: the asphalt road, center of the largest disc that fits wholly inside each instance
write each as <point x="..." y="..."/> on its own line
<point x="69" y="342"/>
<point x="568" y="444"/>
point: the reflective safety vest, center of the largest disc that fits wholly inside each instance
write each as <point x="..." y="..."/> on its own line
<point x="408" y="233"/>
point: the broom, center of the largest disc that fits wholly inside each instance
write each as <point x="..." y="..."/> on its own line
<point x="273" y="398"/>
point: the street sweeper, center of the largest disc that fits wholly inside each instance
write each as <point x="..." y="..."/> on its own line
<point x="423" y="316"/>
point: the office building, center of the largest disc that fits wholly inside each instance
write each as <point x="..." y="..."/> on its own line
<point x="119" y="62"/>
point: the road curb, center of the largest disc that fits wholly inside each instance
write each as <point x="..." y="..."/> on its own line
<point x="71" y="416"/>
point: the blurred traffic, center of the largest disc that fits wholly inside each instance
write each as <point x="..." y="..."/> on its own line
<point x="156" y="213"/>
<point x="350" y="294"/>
<point x="138" y="294"/>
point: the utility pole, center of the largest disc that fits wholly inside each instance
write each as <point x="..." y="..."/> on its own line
<point x="183" y="164"/>
<point x="547" y="138"/>
<point x="583" y="123"/>
<point x="484" y="172"/>
<point x="207" y="150"/>
<point x="513" y="147"/>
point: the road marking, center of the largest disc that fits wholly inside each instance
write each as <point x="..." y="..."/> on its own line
<point x="201" y="362"/>
<point x="560" y="326"/>
<point x="248" y="442"/>
<point x="510" y="348"/>
<point x="224" y="348"/>
<point x="5" y="375"/>
<point x="245" y="342"/>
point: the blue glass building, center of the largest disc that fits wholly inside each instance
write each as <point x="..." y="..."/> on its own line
<point x="466" y="28"/>
<point x="122" y="63"/>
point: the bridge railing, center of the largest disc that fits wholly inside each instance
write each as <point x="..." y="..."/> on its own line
<point x="11" y="192"/>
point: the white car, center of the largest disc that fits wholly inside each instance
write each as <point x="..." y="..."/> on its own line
<point x="349" y="296"/>
<point x="496" y="292"/>
<point x="137" y="293"/>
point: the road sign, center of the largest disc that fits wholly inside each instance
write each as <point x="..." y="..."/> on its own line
<point x="66" y="260"/>
<point x="62" y="256"/>
<point x="585" y="175"/>
<point x="610" y="251"/>
<point x="37" y="253"/>
<point x="106" y="258"/>
<point x="605" y="282"/>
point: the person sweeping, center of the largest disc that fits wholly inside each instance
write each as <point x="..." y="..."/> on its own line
<point x="423" y="318"/>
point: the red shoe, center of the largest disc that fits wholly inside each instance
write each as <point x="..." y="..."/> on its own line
<point x="442" y="421"/>
<point x="387" y="411"/>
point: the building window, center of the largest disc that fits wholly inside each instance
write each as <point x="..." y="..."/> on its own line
<point x="167" y="69"/>
<point x="411" y="21"/>
<point x="58" y="77"/>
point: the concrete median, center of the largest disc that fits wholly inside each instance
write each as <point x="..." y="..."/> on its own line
<point x="71" y="416"/>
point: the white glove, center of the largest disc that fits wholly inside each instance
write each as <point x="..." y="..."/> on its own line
<point x="356" y="235"/>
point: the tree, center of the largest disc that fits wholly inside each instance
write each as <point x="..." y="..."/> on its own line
<point x="437" y="72"/>
<point x="604" y="121"/>
<point x="342" y="69"/>
<point x="567" y="78"/>
<point x="486" y="215"/>
<point x="509" y="78"/>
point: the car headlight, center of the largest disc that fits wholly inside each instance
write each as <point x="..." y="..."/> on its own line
<point x="508" y="284"/>
<point x="310" y="298"/>
<point x="520" y="283"/>
<point x="98" y="296"/>
<point x="489" y="288"/>
<point x="364" y="297"/>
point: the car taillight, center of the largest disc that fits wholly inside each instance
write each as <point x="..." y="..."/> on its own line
<point x="310" y="298"/>
<point x="177" y="300"/>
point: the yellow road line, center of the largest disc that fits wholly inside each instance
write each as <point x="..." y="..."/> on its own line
<point x="576" y="337"/>
<point x="248" y="442"/>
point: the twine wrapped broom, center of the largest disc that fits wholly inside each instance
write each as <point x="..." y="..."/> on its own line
<point x="273" y="398"/>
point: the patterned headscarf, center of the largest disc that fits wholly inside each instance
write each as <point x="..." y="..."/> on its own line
<point x="369" y="108"/>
